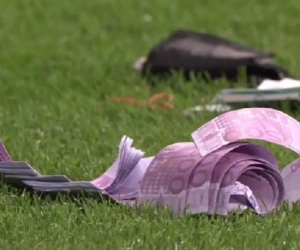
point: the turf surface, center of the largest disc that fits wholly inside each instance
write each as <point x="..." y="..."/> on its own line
<point x="59" y="63"/>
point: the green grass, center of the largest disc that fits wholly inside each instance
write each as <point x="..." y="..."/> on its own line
<point x="59" y="63"/>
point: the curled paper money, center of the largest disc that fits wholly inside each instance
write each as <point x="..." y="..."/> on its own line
<point x="217" y="173"/>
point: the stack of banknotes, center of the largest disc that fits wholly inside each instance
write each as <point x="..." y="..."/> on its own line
<point x="216" y="173"/>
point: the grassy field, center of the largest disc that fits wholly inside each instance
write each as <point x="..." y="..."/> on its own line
<point x="59" y="63"/>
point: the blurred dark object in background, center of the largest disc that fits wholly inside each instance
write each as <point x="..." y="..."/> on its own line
<point x="210" y="57"/>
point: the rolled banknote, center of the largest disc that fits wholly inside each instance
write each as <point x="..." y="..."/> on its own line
<point x="217" y="173"/>
<point x="208" y="179"/>
<point x="183" y="180"/>
<point x="167" y="177"/>
<point x="253" y="123"/>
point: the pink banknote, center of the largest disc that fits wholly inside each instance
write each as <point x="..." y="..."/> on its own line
<point x="217" y="173"/>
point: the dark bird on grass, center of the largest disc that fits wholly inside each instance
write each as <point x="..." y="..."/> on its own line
<point x="211" y="57"/>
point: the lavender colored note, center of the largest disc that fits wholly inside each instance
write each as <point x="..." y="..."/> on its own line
<point x="111" y="176"/>
<point x="201" y="195"/>
<point x="239" y="163"/>
<point x="291" y="179"/>
<point x="129" y="188"/>
<point x="217" y="173"/>
<point x="166" y="179"/>
<point x="241" y="197"/>
<point x="250" y="123"/>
